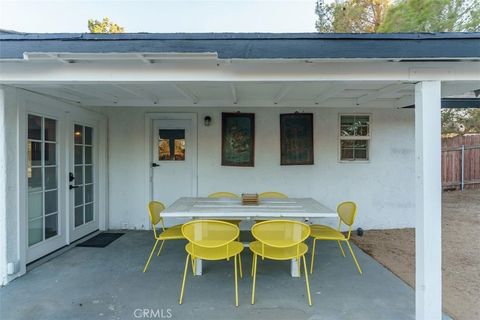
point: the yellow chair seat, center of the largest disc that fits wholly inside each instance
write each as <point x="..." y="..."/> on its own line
<point x="234" y="248"/>
<point x="319" y="231"/>
<point x="174" y="232"/>
<point x="278" y="253"/>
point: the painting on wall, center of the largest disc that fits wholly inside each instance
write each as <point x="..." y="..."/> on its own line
<point x="238" y="139"/>
<point x="296" y="138"/>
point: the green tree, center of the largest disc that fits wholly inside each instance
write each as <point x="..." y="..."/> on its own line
<point x="460" y="121"/>
<point x="104" y="26"/>
<point x="432" y="16"/>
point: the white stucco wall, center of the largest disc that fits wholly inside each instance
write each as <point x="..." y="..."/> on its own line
<point x="383" y="188"/>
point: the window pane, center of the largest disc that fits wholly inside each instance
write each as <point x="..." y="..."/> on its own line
<point x="34" y="150"/>
<point x="34" y="127"/>
<point x="164" y="149"/>
<point x="78" y="134"/>
<point x="89" y="212"/>
<point x="35" y="231"/>
<point x="51" y="202"/>
<point x="78" y="154"/>
<point x="89" y="193"/>
<point x="88" y="174"/>
<point x="354" y="125"/>
<point x="346" y="154"/>
<point x="50" y="129"/>
<point x="88" y="155"/>
<point x="35" y="205"/>
<point x="171" y="144"/>
<point x="78" y="175"/>
<point x="51" y="226"/>
<point x="78" y="196"/>
<point x="361" y="154"/>
<point x="50" y="154"/>
<point x="179" y="149"/>
<point x="78" y="216"/>
<point x="35" y="179"/>
<point x="347" y="143"/>
<point x="50" y="178"/>
<point x="88" y="135"/>
<point x="347" y="120"/>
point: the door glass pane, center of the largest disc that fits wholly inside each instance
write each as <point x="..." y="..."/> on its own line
<point x="88" y="135"/>
<point x="34" y="127"/>
<point x="88" y="155"/>
<point x="78" y="154"/>
<point x="78" y="216"/>
<point x="50" y="178"/>
<point x="88" y="174"/>
<point x="51" y="226"/>
<point x="78" y="134"/>
<point x="50" y="129"/>
<point x="79" y="196"/>
<point x="89" y="212"/>
<point x="171" y="144"/>
<point x="34" y="150"/>
<point x="35" y="180"/>
<point x="35" y="205"/>
<point x="89" y="193"/>
<point x="50" y="154"/>
<point x="78" y="175"/>
<point x="51" y="202"/>
<point x="35" y="231"/>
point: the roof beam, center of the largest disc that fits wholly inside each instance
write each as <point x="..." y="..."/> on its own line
<point x="96" y="93"/>
<point x="186" y="93"/>
<point x="57" y="57"/>
<point x="233" y="89"/>
<point x="137" y="92"/>
<point x="404" y="101"/>
<point x="142" y="57"/>
<point x="379" y="93"/>
<point x="330" y="92"/>
<point x="281" y="94"/>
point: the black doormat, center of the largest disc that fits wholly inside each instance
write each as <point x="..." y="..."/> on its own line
<point x="101" y="240"/>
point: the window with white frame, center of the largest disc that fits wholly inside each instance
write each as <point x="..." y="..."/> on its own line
<point x="354" y="137"/>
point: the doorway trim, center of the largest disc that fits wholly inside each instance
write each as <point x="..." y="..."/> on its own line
<point x="148" y="172"/>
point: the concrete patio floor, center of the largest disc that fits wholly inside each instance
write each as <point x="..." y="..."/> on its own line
<point x="108" y="283"/>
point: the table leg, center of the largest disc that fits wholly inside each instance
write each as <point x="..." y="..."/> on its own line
<point x="294" y="268"/>
<point x="198" y="267"/>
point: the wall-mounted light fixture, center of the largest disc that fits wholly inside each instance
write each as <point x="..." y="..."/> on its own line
<point x="207" y="121"/>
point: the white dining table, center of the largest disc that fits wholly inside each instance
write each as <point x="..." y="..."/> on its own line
<point x="224" y="208"/>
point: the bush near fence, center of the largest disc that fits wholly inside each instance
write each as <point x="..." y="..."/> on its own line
<point x="452" y="162"/>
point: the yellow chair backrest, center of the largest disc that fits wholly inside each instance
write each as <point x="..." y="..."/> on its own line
<point x="210" y="233"/>
<point x="272" y="195"/>
<point x="223" y="195"/>
<point x="154" y="211"/>
<point x="346" y="212"/>
<point x="281" y="233"/>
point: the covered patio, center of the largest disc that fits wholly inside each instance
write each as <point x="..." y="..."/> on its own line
<point x="94" y="108"/>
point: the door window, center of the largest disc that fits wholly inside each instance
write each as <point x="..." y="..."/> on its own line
<point x="171" y="144"/>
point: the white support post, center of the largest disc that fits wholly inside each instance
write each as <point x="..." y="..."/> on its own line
<point x="428" y="242"/>
<point x="3" y="191"/>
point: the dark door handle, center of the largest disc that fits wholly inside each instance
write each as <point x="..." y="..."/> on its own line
<point x="73" y="187"/>
<point x="155" y="165"/>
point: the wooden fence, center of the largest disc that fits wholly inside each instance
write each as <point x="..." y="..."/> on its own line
<point x="461" y="162"/>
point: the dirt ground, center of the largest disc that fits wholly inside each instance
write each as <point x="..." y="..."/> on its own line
<point x="395" y="249"/>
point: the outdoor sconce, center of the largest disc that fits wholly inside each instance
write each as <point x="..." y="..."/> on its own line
<point x="207" y="121"/>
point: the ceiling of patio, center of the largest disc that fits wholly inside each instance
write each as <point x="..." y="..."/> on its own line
<point x="254" y="94"/>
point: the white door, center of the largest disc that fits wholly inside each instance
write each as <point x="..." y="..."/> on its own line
<point x="174" y="162"/>
<point x="83" y="179"/>
<point x="46" y="212"/>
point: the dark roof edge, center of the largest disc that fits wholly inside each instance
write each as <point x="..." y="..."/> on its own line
<point x="5" y="36"/>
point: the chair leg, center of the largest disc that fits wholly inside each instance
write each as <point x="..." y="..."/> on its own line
<point x="160" y="250"/>
<point x="306" y="280"/>
<point x="240" y="265"/>
<point x="150" y="256"/>
<point x="254" y="264"/>
<point x="354" y="258"/>
<point x="184" y="278"/>
<point x="341" y="248"/>
<point x="313" y="255"/>
<point x="236" y="281"/>
<point x="298" y="267"/>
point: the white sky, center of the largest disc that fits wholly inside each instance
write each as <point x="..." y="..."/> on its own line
<point x="161" y="15"/>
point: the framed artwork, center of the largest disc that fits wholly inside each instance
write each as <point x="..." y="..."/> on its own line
<point x="238" y="139"/>
<point x="296" y="138"/>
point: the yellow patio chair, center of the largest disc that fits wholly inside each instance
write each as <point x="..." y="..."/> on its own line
<point x="280" y="240"/>
<point x="346" y="214"/>
<point x="227" y="195"/>
<point x="154" y="210"/>
<point x="212" y="240"/>
<point x="272" y="195"/>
